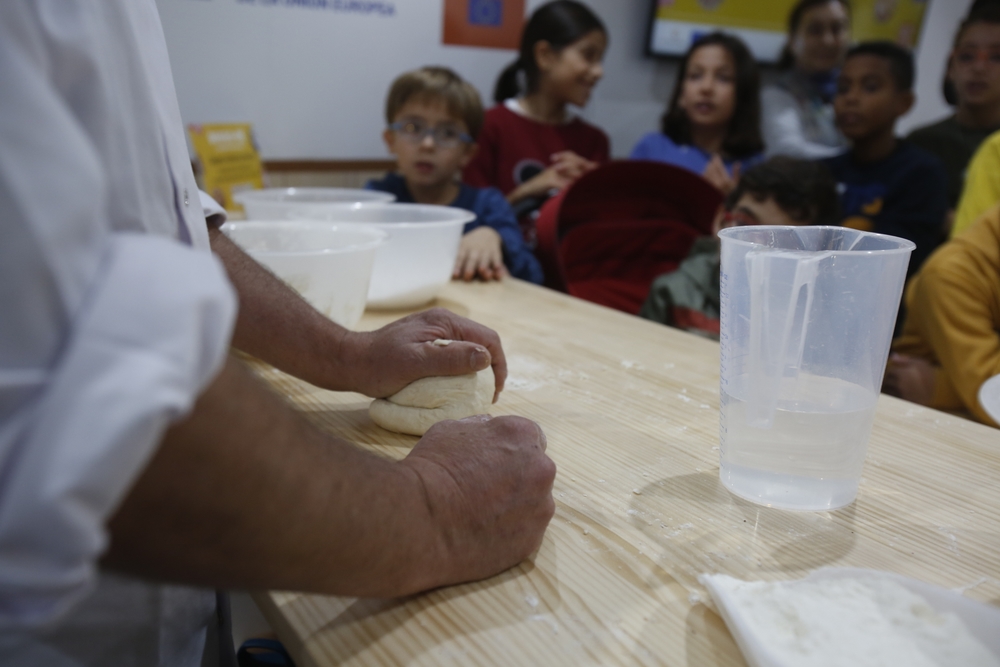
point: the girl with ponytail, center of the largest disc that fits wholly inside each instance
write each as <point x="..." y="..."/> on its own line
<point x="531" y="144"/>
<point x="798" y="109"/>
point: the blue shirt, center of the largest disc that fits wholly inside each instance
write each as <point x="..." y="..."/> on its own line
<point x="661" y="148"/>
<point x="904" y="195"/>
<point x="491" y="209"/>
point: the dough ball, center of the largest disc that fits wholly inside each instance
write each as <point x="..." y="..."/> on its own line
<point x="421" y="404"/>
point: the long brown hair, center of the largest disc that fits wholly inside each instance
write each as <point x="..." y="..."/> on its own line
<point x="743" y="136"/>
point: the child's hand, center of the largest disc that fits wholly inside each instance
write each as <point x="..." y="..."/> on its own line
<point x="480" y="254"/>
<point x="570" y="165"/>
<point x="910" y="378"/>
<point x="566" y="167"/>
<point x="716" y="174"/>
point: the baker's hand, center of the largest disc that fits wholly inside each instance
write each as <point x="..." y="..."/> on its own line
<point x="487" y="484"/>
<point x="480" y="255"/>
<point x="384" y="361"/>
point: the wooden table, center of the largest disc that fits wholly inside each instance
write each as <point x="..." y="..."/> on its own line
<point x="631" y="411"/>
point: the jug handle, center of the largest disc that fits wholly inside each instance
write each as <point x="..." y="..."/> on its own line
<point x="766" y="369"/>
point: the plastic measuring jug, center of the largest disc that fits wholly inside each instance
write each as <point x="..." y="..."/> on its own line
<point x="806" y="321"/>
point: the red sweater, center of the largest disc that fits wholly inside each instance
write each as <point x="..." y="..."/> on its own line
<point x="513" y="149"/>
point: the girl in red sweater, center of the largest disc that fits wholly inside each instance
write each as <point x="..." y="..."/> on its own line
<point x="531" y="145"/>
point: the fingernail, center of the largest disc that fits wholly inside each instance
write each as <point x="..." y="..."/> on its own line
<point x="480" y="358"/>
<point x="475" y="419"/>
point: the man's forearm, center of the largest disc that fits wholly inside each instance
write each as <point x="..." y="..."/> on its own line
<point x="245" y="493"/>
<point x="277" y="325"/>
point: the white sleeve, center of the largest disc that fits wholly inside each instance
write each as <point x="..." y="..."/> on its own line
<point x="153" y="334"/>
<point x="782" y="128"/>
<point x="105" y="337"/>
<point x="215" y="215"/>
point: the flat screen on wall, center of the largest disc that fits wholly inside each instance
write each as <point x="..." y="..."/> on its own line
<point x="675" y="24"/>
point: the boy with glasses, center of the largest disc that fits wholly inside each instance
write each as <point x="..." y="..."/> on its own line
<point x="434" y="117"/>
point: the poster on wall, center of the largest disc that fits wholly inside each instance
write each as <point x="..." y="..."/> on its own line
<point x="227" y="161"/>
<point x="488" y="23"/>
<point x="762" y="23"/>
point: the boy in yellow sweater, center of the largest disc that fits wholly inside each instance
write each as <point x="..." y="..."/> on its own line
<point x="950" y="343"/>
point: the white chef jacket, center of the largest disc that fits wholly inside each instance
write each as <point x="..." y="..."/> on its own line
<point x="114" y="316"/>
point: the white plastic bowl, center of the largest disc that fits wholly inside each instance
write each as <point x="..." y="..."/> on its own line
<point x="291" y="203"/>
<point x="330" y="265"/>
<point x="419" y="257"/>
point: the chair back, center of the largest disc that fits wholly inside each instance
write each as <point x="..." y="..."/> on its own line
<point x="613" y="231"/>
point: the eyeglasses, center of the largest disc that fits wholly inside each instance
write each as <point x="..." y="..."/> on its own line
<point x="445" y="136"/>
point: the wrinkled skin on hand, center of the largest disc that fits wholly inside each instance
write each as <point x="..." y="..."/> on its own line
<point x="487" y="483"/>
<point x="386" y="360"/>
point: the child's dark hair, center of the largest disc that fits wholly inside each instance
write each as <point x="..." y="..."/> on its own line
<point x="803" y="189"/>
<point x="899" y="58"/>
<point x="560" y="23"/>
<point x="983" y="13"/>
<point x="787" y="59"/>
<point x="437" y="84"/>
<point x="743" y="136"/>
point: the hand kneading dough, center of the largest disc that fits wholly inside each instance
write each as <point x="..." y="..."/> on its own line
<point x="421" y="404"/>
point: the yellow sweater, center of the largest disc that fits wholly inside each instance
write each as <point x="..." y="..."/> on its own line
<point x="953" y="316"/>
<point x="981" y="191"/>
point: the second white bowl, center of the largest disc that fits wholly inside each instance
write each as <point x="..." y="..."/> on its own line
<point x="419" y="257"/>
<point x="330" y="265"/>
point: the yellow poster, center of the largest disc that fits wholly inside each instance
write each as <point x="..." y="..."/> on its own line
<point x="228" y="161"/>
<point x="763" y="23"/>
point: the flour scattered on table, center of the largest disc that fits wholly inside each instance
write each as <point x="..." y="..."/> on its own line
<point x="531" y="600"/>
<point x="862" y="622"/>
<point x="526" y="373"/>
<point x="637" y="492"/>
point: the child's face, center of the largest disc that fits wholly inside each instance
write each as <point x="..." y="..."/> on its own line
<point x="974" y="67"/>
<point x="708" y="95"/>
<point x="868" y="101"/>
<point x="752" y="211"/>
<point x="423" y="160"/>
<point x="573" y="72"/>
<point x="822" y="37"/>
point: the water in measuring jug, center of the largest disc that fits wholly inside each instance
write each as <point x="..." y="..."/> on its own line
<point x="811" y="456"/>
<point x="807" y="315"/>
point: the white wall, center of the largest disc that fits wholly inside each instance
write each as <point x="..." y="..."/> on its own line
<point x="313" y="81"/>
<point x="936" y="37"/>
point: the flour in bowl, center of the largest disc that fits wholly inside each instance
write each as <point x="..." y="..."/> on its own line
<point x="861" y="622"/>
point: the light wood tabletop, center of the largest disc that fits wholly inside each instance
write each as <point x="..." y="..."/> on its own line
<point x="631" y="411"/>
